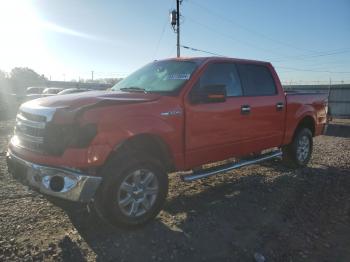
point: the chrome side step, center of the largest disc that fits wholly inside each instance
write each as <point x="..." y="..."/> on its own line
<point x="225" y="168"/>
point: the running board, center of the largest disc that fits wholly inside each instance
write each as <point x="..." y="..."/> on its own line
<point x="225" y="168"/>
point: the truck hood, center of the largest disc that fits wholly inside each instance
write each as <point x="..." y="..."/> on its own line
<point x="84" y="99"/>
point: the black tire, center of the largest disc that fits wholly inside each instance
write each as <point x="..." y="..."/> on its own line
<point x="292" y="155"/>
<point x="114" y="175"/>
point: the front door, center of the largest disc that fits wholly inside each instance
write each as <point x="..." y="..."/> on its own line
<point x="213" y="131"/>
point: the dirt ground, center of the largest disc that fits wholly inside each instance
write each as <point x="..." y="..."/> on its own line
<point x="263" y="210"/>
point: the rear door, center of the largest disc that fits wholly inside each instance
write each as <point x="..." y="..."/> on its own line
<point x="263" y="107"/>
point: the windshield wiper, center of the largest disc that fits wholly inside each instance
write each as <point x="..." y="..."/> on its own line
<point x="133" y="89"/>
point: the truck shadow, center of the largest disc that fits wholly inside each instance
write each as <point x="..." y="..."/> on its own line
<point x="235" y="217"/>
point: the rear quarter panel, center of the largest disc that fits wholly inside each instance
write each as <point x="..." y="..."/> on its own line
<point x="302" y="105"/>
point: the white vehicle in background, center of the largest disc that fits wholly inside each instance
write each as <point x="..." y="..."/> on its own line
<point x="51" y="91"/>
<point x="38" y="92"/>
<point x="34" y="92"/>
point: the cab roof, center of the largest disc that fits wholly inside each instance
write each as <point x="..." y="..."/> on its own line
<point x="204" y="59"/>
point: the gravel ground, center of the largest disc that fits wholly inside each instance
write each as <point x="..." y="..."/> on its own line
<point x="259" y="212"/>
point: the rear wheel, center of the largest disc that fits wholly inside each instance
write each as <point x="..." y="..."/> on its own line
<point x="133" y="191"/>
<point x="298" y="153"/>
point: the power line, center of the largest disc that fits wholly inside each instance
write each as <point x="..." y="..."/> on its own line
<point x="172" y="50"/>
<point x="315" y="81"/>
<point x="300" y="57"/>
<point x="326" y="53"/>
<point x="283" y="67"/>
<point x="199" y="50"/>
<point x="334" y="63"/>
<point x="160" y="38"/>
<point x="232" y="38"/>
<point x="315" y="53"/>
<point x="255" y="32"/>
<point x="162" y="33"/>
<point x="311" y="70"/>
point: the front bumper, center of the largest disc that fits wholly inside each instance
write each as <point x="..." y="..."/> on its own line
<point x="57" y="182"/>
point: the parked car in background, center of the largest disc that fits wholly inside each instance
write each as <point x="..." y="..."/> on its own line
<point x="116" y="148"/>
<point x="34" y="90"/>
<point x="38" y="92"/>
<point x="52" y="91"/>
<point x="73" y="90"/>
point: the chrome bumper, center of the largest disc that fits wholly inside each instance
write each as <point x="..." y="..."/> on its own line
<point x="56" y="182"/>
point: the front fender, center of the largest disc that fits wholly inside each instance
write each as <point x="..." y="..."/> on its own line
<point x="115" y="128"/>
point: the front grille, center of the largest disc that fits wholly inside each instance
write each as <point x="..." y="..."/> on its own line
<point x="33" y="117"/>
<point x="30" y="131"/>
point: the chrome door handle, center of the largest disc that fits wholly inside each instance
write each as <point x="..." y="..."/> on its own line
<point x="245" y="109"/>
<point x="279" y="106"/>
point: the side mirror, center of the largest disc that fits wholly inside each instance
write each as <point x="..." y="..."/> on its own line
<point x="209" y="94"/>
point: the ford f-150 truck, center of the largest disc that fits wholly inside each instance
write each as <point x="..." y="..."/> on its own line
<point x="116" y="148"/>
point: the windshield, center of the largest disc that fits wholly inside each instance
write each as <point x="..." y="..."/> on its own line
<point x="159" y="76"/>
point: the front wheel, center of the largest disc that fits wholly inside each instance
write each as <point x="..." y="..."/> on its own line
<point x="133" y="190"/>
<point x="298" y="153"/>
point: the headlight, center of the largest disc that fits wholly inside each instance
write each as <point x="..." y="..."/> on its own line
<point x="61" y="136"/>
<point x="84" y="135"/>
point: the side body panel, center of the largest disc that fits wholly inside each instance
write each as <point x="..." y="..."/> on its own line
<point x="217" y="131"/>
<point x="300" y="106"/>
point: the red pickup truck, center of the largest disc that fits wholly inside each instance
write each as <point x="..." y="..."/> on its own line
<point x="116" y="148"/>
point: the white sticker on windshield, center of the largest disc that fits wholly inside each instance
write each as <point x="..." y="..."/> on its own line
<point x="179" y="76"/>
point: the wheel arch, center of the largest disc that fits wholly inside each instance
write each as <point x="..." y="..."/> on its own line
<point x="306" y="122"/>
<point x="146" y="143"/>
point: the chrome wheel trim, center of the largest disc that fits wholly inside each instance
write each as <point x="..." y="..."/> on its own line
<point x="303" y="148"/>
<point x="138" y="192"/>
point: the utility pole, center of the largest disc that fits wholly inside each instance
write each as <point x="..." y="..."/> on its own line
<point x="329" y="112"/>
<point x="92" y="75"/>
<point x="329" y="87"/>
<point x="175" y="21"/>
<point x="178" y="26"/>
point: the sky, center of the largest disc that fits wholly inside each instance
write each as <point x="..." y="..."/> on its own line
<point x="306" y="41"/>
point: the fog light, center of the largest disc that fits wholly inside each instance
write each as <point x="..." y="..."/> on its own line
<point x="56" y="183"/>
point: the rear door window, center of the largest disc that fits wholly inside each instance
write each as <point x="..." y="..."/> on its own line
<point x="256" y="80"/>
<point x="222" y="74"/>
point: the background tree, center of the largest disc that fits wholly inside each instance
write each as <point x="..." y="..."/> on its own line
<point x="2" y="75"/>
<point x="23" y="77"/>
<point x="4" y="82"/>
<point x="6" y="100"/>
